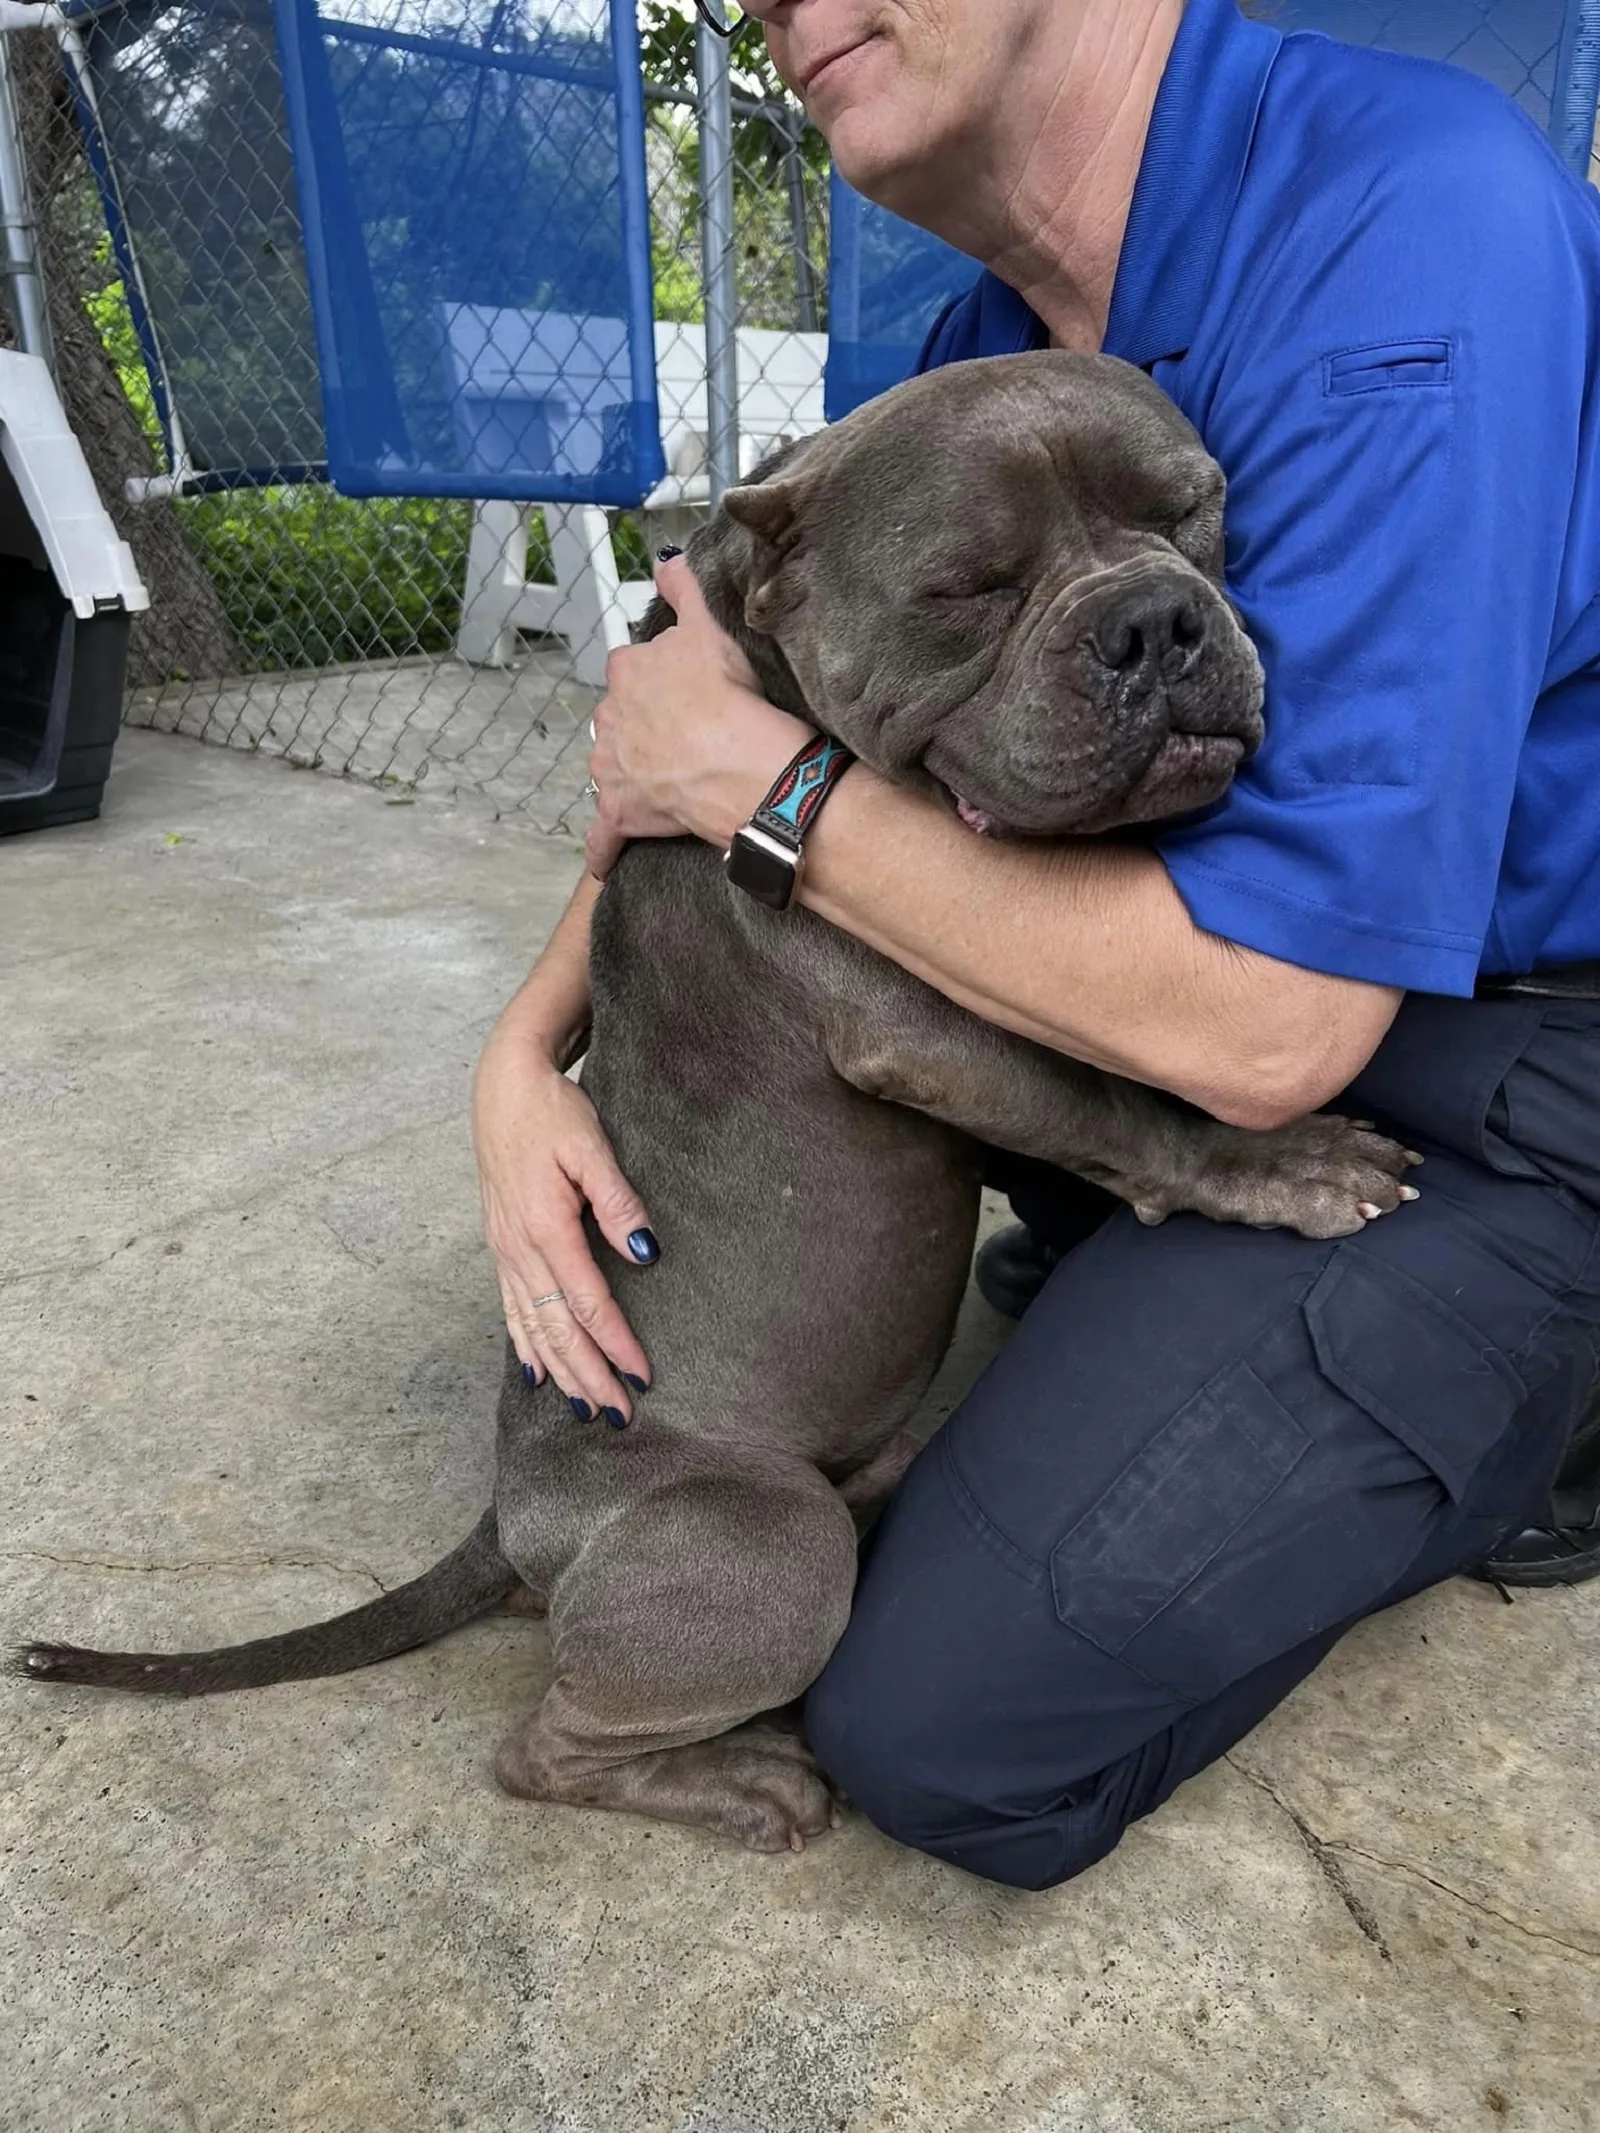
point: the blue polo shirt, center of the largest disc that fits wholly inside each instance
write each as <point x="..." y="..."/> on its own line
<point x="1375" y="291"/>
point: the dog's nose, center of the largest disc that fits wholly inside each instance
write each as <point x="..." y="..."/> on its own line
<point x="1149" y="633"/>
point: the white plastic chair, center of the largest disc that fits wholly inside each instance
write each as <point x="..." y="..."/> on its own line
<point x="562" y="373"/>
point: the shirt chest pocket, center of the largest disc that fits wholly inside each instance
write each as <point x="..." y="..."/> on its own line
<point x="1388" y="366"/>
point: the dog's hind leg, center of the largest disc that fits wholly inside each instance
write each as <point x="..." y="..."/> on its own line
<point x="868" y="1489"/>
<point x="759" y="1784"/>
<point x="708" y="1604"/>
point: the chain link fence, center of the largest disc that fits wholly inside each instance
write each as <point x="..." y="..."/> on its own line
<point x="415" y="639"/>
<point x="403" y="639"/>
<point x="1516" y="44"/>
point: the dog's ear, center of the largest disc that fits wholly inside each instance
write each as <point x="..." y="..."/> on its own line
<point x="769" y="511"/>
<point x="764" y="508"/>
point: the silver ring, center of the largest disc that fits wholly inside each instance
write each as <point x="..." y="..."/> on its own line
<point x="591" y="791"/>
<point x="593" y="736"/>
<point x="556" y="1296"/>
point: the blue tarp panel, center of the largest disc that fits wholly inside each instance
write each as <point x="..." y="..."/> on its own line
<point x="472" y="189"/>
<point x="1513" y="43"/>
<point x="888" y="281"/>
<point x="184" y="125"/>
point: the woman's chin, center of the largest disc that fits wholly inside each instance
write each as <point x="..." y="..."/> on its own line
<point x="872" y="149"/>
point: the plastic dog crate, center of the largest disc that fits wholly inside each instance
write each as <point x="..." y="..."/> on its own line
<point x="68" y="592"/>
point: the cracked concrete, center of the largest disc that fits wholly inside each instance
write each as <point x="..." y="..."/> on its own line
<point x="1326" y="1857"/>
<point x="250" y="1349"/>
<point x="247" y="1565"/>
<point x="1589" y="1946"/>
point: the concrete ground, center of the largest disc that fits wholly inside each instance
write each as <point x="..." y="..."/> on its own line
<point x="250" y="1350"/>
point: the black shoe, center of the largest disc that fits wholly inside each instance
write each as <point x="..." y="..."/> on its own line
<point x="1565" y="1552"/>
<point x="1012" y="1268"/>
<point x="1563" y="1547"/>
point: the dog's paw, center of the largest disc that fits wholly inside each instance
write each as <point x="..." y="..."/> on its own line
<point x="1324" y="1176"/>
<point x="759" y="1785"/>
<point x="766" y="1791"/>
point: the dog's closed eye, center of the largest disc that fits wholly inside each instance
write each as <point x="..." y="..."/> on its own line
<point x="1000" y="592"/>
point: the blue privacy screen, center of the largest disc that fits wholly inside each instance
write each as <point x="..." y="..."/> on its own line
<point x="1516" y="44"/>
<point x="203" y="219"/>
<point x="472" y="194"/>
<point x="888" y="281"/>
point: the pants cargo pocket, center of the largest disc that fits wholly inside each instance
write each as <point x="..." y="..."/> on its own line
<point x="1413" y="1364"/>
<point x="1293" y="1492"/>
<point x="1169" y="1515"/>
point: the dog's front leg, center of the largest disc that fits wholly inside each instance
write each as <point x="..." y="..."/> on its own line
<point x="907" y="1044"/>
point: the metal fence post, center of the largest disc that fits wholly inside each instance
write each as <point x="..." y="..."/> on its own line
<point x="1572" y="115"/>
<point x="21" y="264"/>
<point x="717" y="259"/>
<point x="792" y="127"/>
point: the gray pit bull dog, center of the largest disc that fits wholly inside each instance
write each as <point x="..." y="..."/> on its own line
<point x="1000" y="585"/>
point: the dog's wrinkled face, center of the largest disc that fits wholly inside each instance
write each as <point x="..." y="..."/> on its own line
<point x="1003" y="581"/>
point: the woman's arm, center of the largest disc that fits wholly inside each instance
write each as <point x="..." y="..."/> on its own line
<point x="1088" y="948"/>
<point x="550" y="1009"/>
<point x="542" y="1158"/>
<point x="1085" y="947"/>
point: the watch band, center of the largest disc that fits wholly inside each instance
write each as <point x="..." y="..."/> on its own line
<point x="790" y="808"/>
<point x="765" y="856"/>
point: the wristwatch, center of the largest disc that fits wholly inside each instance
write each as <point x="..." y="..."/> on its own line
<point x="766" y="856"/>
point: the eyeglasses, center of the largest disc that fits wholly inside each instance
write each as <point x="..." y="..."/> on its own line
<point x="715" y="15"/>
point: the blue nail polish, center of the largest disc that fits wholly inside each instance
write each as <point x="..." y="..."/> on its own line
<point x="530" y="1376"/>
<point x="638" y="1384"/>
<point x="644" y="1247"/>
<point x="582" y="1409"/>
<point x="616" y="1417"/>
<point x="666" y="554"/>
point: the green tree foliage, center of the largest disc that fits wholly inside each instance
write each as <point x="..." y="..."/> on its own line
<point x="763" y="210"/>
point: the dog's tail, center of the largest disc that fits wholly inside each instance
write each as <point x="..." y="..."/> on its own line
<point x="466" y="1584"/>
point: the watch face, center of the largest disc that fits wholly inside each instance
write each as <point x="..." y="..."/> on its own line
<point x="762" y="871"/>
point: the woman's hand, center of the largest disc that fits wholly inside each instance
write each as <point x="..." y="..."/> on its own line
<point x="542" y="1157"/>
<point x="684" y="740"/>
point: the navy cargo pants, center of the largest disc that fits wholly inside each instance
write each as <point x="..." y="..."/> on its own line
<point x="1207" y="1452"/>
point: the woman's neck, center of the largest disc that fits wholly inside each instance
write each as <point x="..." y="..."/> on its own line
<point x="1041" y="194"/>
